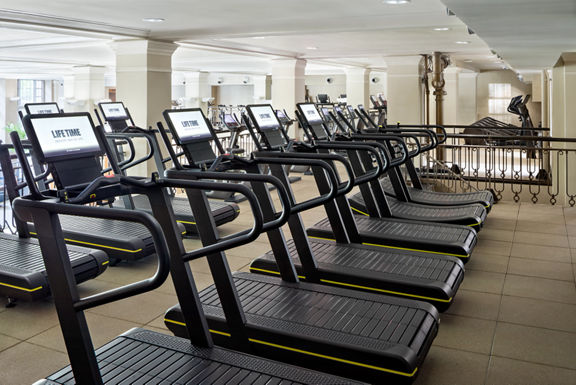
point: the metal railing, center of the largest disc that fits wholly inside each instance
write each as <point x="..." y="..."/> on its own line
<point x="519" y="168"/>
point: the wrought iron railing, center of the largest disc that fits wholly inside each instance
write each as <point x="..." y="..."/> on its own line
<point x="519" y="168"/>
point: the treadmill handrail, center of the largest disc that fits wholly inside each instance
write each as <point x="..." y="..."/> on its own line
<point x="396" y="136"/>
<point x="287" y="158"/>
<point x="400" y="141"/>
<point x="380" y="156"/>
<point x="428" y="126"/>
<point x="130" y="158"/>
<point x="127" y="137"/>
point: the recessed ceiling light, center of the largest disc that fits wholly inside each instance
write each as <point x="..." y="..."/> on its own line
<point x="442" y="29"/>
<point x="259" y="37"/>
<point x="467" y="61"/>
<point x="312" y="48"/>
<point x="462" y="42"/>
<point x="153" y="19"/>
<point x="396" y="2"/>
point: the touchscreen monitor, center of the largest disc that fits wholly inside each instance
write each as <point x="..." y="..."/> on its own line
<point x="188" y="125"/>
<point x="114" y="111"/>
<point x="265" y="117"/>
<point x="41" y="108"/>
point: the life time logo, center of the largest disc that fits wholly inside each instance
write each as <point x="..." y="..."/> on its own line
<point x="265" y="116"/>
<point x="189" y="123"/>
<point x="66" y="133"/>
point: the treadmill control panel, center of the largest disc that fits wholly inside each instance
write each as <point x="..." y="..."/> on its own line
<point x="188" y="125"/>
<point x="41" y="108"/>
<point x="113" y="111"/>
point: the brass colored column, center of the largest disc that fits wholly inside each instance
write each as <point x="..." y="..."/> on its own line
<point x="440" y="63"/>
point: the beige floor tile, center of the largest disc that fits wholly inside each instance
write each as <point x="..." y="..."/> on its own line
<point x="128" y="272"/>
<point x="140" y="309"/>
<point x="541" y="239"/>
<point x="537" y="227"/>
<point x="540" y="288"/>
<point x="538" y="313"/>
<point x="452" y="367"/>
<point x="573" y="253"/>
<point x="26" y="363"/>
<point x="251" y="250"/>
<point x="572" y="241"/>
<point x="494" y="223"/>
<point x="488" y="262"/>
<point x="504" y="371"/>
<point x="571" y="230"/>
<point x="158" y="323"/>
<point x="7" y="341"/>
<point x="455" y="333"/>
<point x="536" y="345"/>
<point x="496" y="234"/>
<point x="483" y="281"/>
<point x="202" y="280"/>
<point x="28" y="319"/>
<point x="545" y="253"/>
<point x="475" y="304"/>
<point x="542" y="269"/>
<point x="102" y="330"/>
<point x="487" y="246"/>
<point x="542" y="217"/>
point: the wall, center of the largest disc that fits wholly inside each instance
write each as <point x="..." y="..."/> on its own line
<point x="236" y="94"/>
<point x="317" y="84"/>
<point x="378" y="87"/>
<point x="518" y="87"/>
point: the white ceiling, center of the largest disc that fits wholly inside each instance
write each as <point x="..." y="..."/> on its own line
<point x="50" y="37"/>
<point x="528" y="34"/>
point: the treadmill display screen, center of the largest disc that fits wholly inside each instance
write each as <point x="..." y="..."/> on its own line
<point x="189" y="125"/>
<point x="280" y="115"/>
<point x="65" y="137"/>
<point x="41" y="108"/>
<point x="113" y="111"/>
<point x="230" y="121"/>
<point x="311" y="113"/>
<point x="265" y="118"/>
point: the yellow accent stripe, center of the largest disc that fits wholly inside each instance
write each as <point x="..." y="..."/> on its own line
<point x="97" y="245"/>
<point x="309" y="353"/>
<point x="105" y="262"/>
<point x="272" y="272"/>
<point x="362" y="287"/>
<point x="475" y="224"/>
<point x="21" y="288"/>
<point x="190" y="223"/>
<point x="386" y="291"/>
<point x="400" y="248"/>
<point x="361" y="212"/>
<point x="334" y="358"/>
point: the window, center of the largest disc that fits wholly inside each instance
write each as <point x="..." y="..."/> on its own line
<point x="30" y="91"/>
<point x="499" y="95"/>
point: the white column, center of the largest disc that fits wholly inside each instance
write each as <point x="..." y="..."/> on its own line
<point x="404" y="90"/>
<point x="259" y="88"/>
<point x="144" y="83"/>
<point x="8" y="106"/>
<point x="288" y="86"/>
<point x="197" y="87"/>
<point x="358" y="86"/>
<point x="563" y="122"/>
<point x="143" y="78"/>
<point x="466" y="113"/>
<point x="89" y="88"/>
<point x="451" y="99"/>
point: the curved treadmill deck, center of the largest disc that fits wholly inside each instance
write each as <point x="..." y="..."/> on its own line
<point x="119" y="239"/>
<point x="22" y="272"/>
<point x="368" y="337"/>
<point x="435" y="198"/>
<point x="223" y="212"/>
<point x="472" y="215"/>
<point x="427" y="277"/>
<point x="144" y="357"/>
<point x="454" y="240"/>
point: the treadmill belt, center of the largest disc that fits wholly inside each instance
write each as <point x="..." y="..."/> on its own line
<point x="442" y="198"/>
<point x="223" y="212"/>
<point x="22" y="272"/>
<point x="442" y="238"/>
<point x="430" y="277"/>
<point x="377" y="336"/>
<point x="145" y="357"/>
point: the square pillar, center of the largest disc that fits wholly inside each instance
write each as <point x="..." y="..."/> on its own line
<point x="89" y="88"/>
<point x="197" y="87"/>
<point x="404" y="90"/>
<point x="358" y="86"/>
<point x="288" y="87"/>
<point x="466" y="113"/>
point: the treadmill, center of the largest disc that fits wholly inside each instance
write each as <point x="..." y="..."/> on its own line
<point x="22" y="272"/>
<point x="141" y="356"/>
<point x="471" y="215"/>
<point x="398" y="234"/>
<point x="364" y="336"/>
<point x="117" y="117"/>
<point x="416" y="192"/>
<point x="428" y="277"/>
<point x="121" y="241"/>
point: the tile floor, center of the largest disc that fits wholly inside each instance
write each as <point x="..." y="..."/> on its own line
<point x="513" y="321"/>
